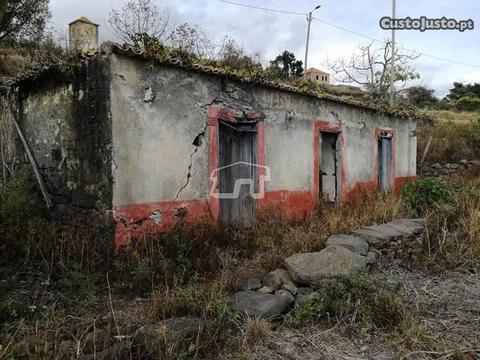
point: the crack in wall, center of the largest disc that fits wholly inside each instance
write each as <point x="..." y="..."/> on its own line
<point x="197" y="142"/>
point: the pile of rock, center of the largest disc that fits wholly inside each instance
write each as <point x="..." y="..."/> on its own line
<point x="428" y="169"/>
<point x="281" y="290"/>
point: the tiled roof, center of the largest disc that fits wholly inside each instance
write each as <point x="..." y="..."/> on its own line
<point x="84" y="20"/>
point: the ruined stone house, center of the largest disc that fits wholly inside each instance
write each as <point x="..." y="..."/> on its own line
<point x="150" y="142"/>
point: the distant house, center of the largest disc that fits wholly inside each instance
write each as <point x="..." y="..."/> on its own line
<point x="146" y="141"/>
<point x="317" y="75"/>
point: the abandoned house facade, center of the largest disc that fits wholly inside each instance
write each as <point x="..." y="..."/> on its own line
<point x="149" y="142"/>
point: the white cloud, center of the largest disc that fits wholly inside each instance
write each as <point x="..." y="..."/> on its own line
<point x="271" y="33"/>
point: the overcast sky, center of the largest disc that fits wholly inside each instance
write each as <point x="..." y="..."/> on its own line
<point x="270" y="33"/>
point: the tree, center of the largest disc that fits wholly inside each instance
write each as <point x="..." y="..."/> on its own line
<point x="23" y="20"/>
<point x="138" y="22"/>
<point x="232" y="55"/>
<point x="420" y="96"/>
<point x="460" y="90"/>
<point x="192" y="39"/>
<point x="370" y="68"/>
<point x="286" y="66"/>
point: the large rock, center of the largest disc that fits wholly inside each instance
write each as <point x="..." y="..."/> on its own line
<point x="382" y="228"/>
<point x="290" y="287"/>
<point x="251" y="284"/>
<point x="408" y="227"/>
<point x="286" y="295"/>
<point x="377" y="237"/>
<point x="266" y="306"/>
<point x="351" y="242"/>
<point x="310" y="268"/>
<point x="265" y="290"/>
<point x="152" y="339"/>
<point x="187" y="327"/>
<point x="275" y="279"/>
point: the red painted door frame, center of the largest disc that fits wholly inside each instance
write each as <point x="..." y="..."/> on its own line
<point x="320" y="126"/>
<point x="216" y="114"/>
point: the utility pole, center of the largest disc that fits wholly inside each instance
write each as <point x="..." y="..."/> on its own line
<point x="309" y="20"/>
<point x="392" y="68"/>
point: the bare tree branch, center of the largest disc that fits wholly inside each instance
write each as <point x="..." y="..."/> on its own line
<point x="138" y="21"/>
<point x="369" y="67"/>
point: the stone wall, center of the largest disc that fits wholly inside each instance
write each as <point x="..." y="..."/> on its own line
<point x="428" y="169"/>
<point x="66" y="121"/>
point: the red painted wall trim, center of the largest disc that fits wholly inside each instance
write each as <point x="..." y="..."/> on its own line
<point x="136" y="220"/>
<point x="295" y="204"/>
<point x="215" y="114"/>
<point x="319" y="126"/>
<point x="149" y="218"/>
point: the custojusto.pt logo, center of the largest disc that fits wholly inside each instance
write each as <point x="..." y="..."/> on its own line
<point x="423" y="24"/>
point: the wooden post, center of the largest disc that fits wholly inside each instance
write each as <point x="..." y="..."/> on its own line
<point x="31" y="159"/>
<point x="425" y="152"/>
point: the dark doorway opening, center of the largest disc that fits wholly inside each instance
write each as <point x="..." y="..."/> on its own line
<point x="329" y="156"/>
<point x="385" y="163"/>
<point x="238" y="172"/>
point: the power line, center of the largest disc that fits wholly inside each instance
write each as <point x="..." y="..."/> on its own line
<point x="383" y="42"/>
<point x="264" y="8"/>
<point x="350" y="31"/>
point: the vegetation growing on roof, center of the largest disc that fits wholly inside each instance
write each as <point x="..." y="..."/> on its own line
<point x="157" y="53"/>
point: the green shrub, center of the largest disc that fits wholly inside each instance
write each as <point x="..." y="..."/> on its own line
<point x="468" y="103"/>
<point x="359" y="297"/>
<point x="429" y="192"/>
<point x="306" y="313"/>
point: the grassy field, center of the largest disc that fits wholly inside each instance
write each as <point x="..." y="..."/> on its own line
<point x="455" y="136"/>
<point x="465" y="117"/>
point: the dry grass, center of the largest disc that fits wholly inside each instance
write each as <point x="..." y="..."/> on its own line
<point x="465" y="117"/>
<point x="279" y="237"/>
<point x="452" y="240"/>
<point x="255" y="330"/>
<point x="451" y="136"/>
<point x="189" y="271"/>
<point x="12" y="62"/>
<point x="450" y="141"/>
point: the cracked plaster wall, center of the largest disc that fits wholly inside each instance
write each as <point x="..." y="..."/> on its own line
<point x="160" y="150"/>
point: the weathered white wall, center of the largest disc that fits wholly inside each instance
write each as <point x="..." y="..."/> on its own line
<point x="153" y="149"/>
<point x="153" y="140"/>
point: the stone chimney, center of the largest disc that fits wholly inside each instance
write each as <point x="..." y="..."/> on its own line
<point x="83" y="35"/>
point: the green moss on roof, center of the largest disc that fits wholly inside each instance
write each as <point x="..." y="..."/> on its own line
<point x="162" y="55"/>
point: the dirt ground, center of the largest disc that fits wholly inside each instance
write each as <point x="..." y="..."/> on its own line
<point x="445" y="325"/>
